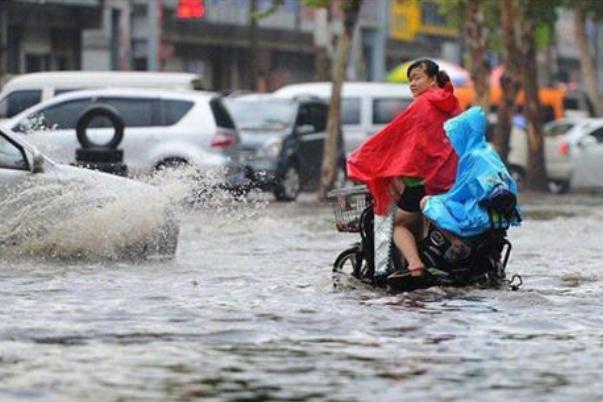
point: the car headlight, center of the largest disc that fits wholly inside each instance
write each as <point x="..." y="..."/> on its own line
<point x="272" y="149"/>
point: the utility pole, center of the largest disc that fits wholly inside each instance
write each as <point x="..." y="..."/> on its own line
<point x="154" y="24"/>
<point x="380" y="49"/>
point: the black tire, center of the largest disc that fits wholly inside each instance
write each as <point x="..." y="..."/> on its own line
<point x="559" y="186"/>
<point x="171" y="163"/>
<point x="288" y="186"/>
<point x="350" y="259"/>
<point x="518" y="174"/>
<point x="100" y="111"/>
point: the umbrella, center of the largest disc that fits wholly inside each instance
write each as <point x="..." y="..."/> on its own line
<point x="458" y="75"/>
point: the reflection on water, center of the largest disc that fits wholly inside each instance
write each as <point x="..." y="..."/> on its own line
<point x="246" y="312"/>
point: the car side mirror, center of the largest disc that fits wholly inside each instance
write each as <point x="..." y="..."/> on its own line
<point x="35" y="161"/>
<point x="306" y="129"/>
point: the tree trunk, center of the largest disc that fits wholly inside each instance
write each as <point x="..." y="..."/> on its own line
<point x="587" y="64"/>
<point x="254" y="47"/>
<point x="476" y="39"/>
<point x="351" y="9"/>
<point x="536" y="178"/>
<point x="322" y="62"/>
<point x="510" y="80"/>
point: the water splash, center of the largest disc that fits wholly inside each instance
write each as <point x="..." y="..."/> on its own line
<point x="114" y="219"/>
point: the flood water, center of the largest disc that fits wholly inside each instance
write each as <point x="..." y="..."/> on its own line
<point x="247" y="312"/>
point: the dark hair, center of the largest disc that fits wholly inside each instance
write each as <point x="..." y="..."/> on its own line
<point x="432" y="70"/>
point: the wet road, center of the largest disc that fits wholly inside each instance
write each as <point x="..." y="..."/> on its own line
<point x="246" y="312"/>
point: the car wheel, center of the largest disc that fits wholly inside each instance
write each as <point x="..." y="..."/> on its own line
<point x="171" y="163"/>
<point x="518" y="175"/>
<point x="559" y="186"/>
<point x="288" y="186"/>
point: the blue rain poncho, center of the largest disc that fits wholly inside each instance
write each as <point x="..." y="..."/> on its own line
<point x="480" y="174"/>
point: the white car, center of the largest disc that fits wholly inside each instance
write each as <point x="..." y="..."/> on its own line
<point x="558" y="164"/>
<point x="581" y="151"/>
<point x="162" y="128"/>
<point x="50" y="209"/>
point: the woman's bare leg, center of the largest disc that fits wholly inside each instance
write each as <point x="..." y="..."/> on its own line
<point x="407" y="225"/>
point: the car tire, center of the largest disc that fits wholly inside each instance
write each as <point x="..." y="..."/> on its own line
<point x="100" y="111"/>
<point x="288" y="186"/>
<point x="518" y="174"/>
<point x="559" y="186"/>
<point x="171" y="163"/>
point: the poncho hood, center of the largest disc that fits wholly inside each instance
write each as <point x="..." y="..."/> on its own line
<point x="480" y="172"/>
<point x="467" y="132"/>
<point x="412" y="145"/>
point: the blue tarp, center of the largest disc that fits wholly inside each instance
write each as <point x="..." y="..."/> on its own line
<point x="480" y="172"/>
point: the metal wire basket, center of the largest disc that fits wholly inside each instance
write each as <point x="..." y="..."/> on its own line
<point x="348" y="204"/>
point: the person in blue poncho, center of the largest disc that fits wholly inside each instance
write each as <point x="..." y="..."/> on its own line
<point x="484" y="193"/>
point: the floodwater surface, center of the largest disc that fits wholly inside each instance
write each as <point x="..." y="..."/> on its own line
<point x="246" y="312"/>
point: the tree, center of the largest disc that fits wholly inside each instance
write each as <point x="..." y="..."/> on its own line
<point x="473" y="17"/>
<point x="351" y="11"/>
<point x="536" y="177"/>
<point x="476" y="36"/>
<point x="510" y="79"/>
<point x="583" y="10"/>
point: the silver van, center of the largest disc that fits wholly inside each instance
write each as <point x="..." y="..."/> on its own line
<point x="366" y="107"/>
<point x="26" y="90"/>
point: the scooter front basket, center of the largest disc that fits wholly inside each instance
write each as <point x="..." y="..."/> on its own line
<point x="348" y="204"/>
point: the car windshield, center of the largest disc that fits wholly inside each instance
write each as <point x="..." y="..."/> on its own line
<point x="262" y="115"/>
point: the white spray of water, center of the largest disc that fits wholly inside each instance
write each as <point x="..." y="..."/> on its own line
<point x="91" y="220"/>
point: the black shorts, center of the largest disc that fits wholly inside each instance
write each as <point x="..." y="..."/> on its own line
<point x="410" y="199"/>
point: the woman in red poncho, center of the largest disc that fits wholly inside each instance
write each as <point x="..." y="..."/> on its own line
<point x="411" y="157"/>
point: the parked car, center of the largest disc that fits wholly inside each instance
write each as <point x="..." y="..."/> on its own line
<point x="27" y="90"/>
<point x="163" y="128"/>
<point x="97" y="212"/>
<point x="580" y="155"/>
<point x="282" y="141"/>
<point x="366" y="107"/>
<point x="558" y="164"/>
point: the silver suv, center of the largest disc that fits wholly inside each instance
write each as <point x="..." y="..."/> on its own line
<point x="161" y="127"/>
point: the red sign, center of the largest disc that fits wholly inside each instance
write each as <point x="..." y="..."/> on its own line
<point x="190" y="9"/>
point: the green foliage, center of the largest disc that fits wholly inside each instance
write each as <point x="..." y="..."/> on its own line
<point x="592" y="8"/>
<point x="546" y="17"/>
<point x="258" y="15"/>
<point x="317" y="3"/>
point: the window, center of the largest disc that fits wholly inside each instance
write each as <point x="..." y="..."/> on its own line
<point x="63" y="115"/>
<point x="11" y="156"/>
<point x="136" y="112"/>
<point x="18" y="101"/>
<point x="65" y="90"/>
<point x="314" y="115"/>
<point x="174" y="110"/>
<point x="558" y="129"/>
<point x="350" y="111"/>
<point x="221" y="115"/>
<point x="37" y="62"/>
<point x="385" y="109"/>
<point x="598" y="134"/>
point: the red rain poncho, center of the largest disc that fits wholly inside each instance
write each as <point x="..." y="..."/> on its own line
<point x="412" y="145"/>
